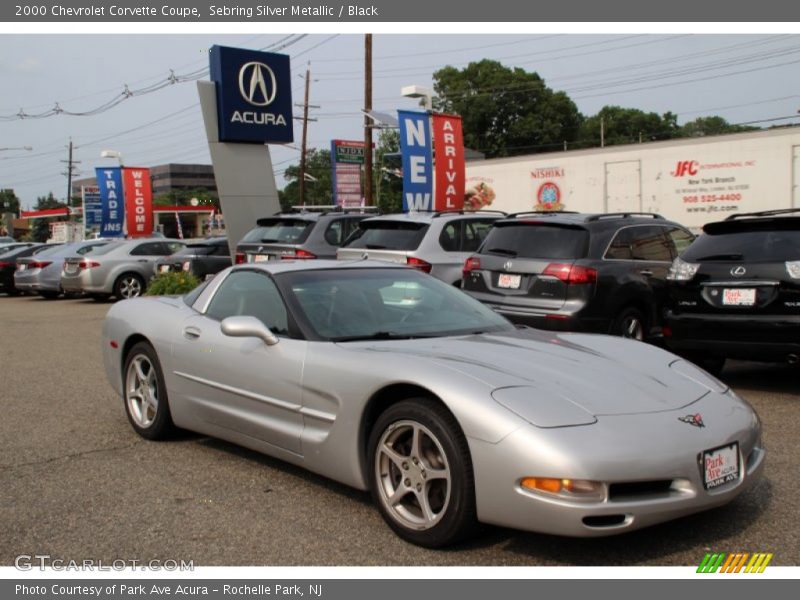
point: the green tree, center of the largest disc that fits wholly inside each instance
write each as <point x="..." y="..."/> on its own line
<point x="713" y="125"/>
<point x="319" y="192"/>
<point x="388" y="178"/>
<point x="9" y="202"/>
<point x="506" y="111"/>
<point x="184" y="197"/>
<point x="627" y="126"/>
<point x="40" y="229"/>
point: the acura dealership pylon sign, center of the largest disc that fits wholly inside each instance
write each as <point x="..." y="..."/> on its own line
<point x="254" y="95"/>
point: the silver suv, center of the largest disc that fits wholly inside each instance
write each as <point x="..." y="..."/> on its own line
<point x="437" y="243"/>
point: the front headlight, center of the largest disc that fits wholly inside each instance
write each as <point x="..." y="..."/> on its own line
<point x="682" y="270"/>
<point x="698" y="375"/>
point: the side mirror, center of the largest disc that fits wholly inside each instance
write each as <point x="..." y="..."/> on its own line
<point x="248" y="327"/>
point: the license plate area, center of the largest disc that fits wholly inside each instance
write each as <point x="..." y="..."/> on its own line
<point x="70" y="269"/>
<point x="163" y="269"/>
<point x="721" y="466"/>
<point x="259" y="258"/>
<point x="739" y="296"/>
<point x="509" y="282"/>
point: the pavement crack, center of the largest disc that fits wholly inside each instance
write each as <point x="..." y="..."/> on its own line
<point x="53" y="459"/>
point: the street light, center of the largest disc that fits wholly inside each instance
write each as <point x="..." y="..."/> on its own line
<point x="418" y="91"/>
<point x="112" y="154"/>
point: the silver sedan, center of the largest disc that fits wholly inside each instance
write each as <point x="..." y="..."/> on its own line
<point x="387" y="379"/>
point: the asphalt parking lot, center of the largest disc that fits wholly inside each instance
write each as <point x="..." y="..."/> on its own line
<point x="77" y="483"/>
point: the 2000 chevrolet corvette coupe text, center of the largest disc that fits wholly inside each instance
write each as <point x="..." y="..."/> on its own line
<point x="384" y="378"/>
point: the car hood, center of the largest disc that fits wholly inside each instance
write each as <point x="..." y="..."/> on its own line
<point x="595" y="374"/>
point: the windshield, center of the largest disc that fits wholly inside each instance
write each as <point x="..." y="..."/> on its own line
<point x="530" y="240"/>
<point x="749" y="246"/>
<point x="357" y="304"/>
<point x="284" y="231"/>
<point x="388" y="235"/>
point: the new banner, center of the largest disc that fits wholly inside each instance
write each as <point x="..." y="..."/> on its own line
<point x="347" y="157"/>
<point x="448" y="145"/>
<point x="415" y="148"/>
<point x="109" y="180"/>
<point x="138" y="201"/>
<point x="254" y="95"/>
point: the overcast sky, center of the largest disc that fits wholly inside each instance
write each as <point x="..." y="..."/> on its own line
<point x="742" y="78"/>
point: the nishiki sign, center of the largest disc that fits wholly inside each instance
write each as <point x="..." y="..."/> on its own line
<point x="420" y="135"/>
<point x="254" y="95"/>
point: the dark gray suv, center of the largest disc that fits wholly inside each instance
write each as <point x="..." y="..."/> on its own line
<point x="304" y="234"/>
<point x="602" y="273"/>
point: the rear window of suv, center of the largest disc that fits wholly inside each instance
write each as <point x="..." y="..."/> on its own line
<point x="534" y="240"/>
<point x="749" y="246"/>
<point x="283" y="231"/>
<point x="387" y="235"/>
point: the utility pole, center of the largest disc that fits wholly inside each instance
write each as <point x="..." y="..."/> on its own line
<point x="303" y="146"/>
<point x="367" y="121"/>
<point x="602" y="132"/>
<point x="69" y="173"/>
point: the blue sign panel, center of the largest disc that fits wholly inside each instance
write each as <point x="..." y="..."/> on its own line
<point x="254" y="95"/>
<point x="415" y="148"/>
<point x="92" y="209"/>
<point x="109" y="180"/>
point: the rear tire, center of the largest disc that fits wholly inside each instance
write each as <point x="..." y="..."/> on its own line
<point x="145" y="394"/>
<point x="420" y="473"/>
<point x="128" y="285"/>
<point x="630" y="323"/>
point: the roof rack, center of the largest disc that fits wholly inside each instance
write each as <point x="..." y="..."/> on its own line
<point x="327" y="209"/>
<point x="623" y="215"/>
<point x="542" y="213"/>
<point x="764" y="213"/>
<point x="461" y="211"/>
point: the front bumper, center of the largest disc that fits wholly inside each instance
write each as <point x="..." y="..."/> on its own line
<point x="623" y="449"/>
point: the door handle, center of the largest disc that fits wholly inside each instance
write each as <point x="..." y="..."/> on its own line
<point x="646" y="273"/>
<point x="144" y="260"/>
<point x="191" y="333"/>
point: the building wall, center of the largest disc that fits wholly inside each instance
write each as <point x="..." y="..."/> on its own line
<point x="169" y="177"/>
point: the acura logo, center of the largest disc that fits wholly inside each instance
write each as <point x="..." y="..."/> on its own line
<point x="738" y="271"/>
<point x="508" y="266"/>
<point x="257" y="84"/>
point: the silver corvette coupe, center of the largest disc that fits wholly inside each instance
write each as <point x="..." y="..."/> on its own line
<point x="384" y="378"/>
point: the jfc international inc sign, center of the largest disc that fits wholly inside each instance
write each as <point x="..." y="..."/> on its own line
<point x="254" y="95"/>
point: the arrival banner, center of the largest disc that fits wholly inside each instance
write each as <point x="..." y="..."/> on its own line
<point x="448" y="146"/>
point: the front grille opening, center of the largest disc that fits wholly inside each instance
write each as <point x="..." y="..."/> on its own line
<point x="636" y="489"/>
<point x="604" y="521"/>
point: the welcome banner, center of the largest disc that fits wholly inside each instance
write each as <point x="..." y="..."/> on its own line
<point x="138" y="201"/>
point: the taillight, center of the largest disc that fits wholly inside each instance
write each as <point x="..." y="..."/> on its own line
<point x="239" y="258"/>
<point x="418" y="263"/>
<point x="299" y="255"/>
<point x="571" y="273"/>
<point x="88" y="264"/>
<point x="471" y="264"/>
<point x="3" y="265"/>
<point x="39" y="264"/>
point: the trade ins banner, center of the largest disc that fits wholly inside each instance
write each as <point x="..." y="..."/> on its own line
<point x="109" y="180"/>
<point x="432" y="148"/>
<point x="254" y="95"/>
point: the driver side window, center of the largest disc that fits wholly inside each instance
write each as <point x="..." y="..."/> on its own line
<point x="250" y="293"/>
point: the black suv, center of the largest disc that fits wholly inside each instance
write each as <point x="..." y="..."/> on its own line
<point x="601" y="273"/>
<point x="310" y="232"/>
<point x="735" y="293"/>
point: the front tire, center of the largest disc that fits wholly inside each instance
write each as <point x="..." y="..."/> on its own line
<point x="128" y="285"/>
<point x="420" y="473"/>
<point x="145" y="394"/>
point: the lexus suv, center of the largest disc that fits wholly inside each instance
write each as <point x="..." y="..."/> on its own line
<point x="735" y="292"/>
<point x="600" y="273"/>
<point x="433" y="242"/>
<point x="306" y="233"/>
